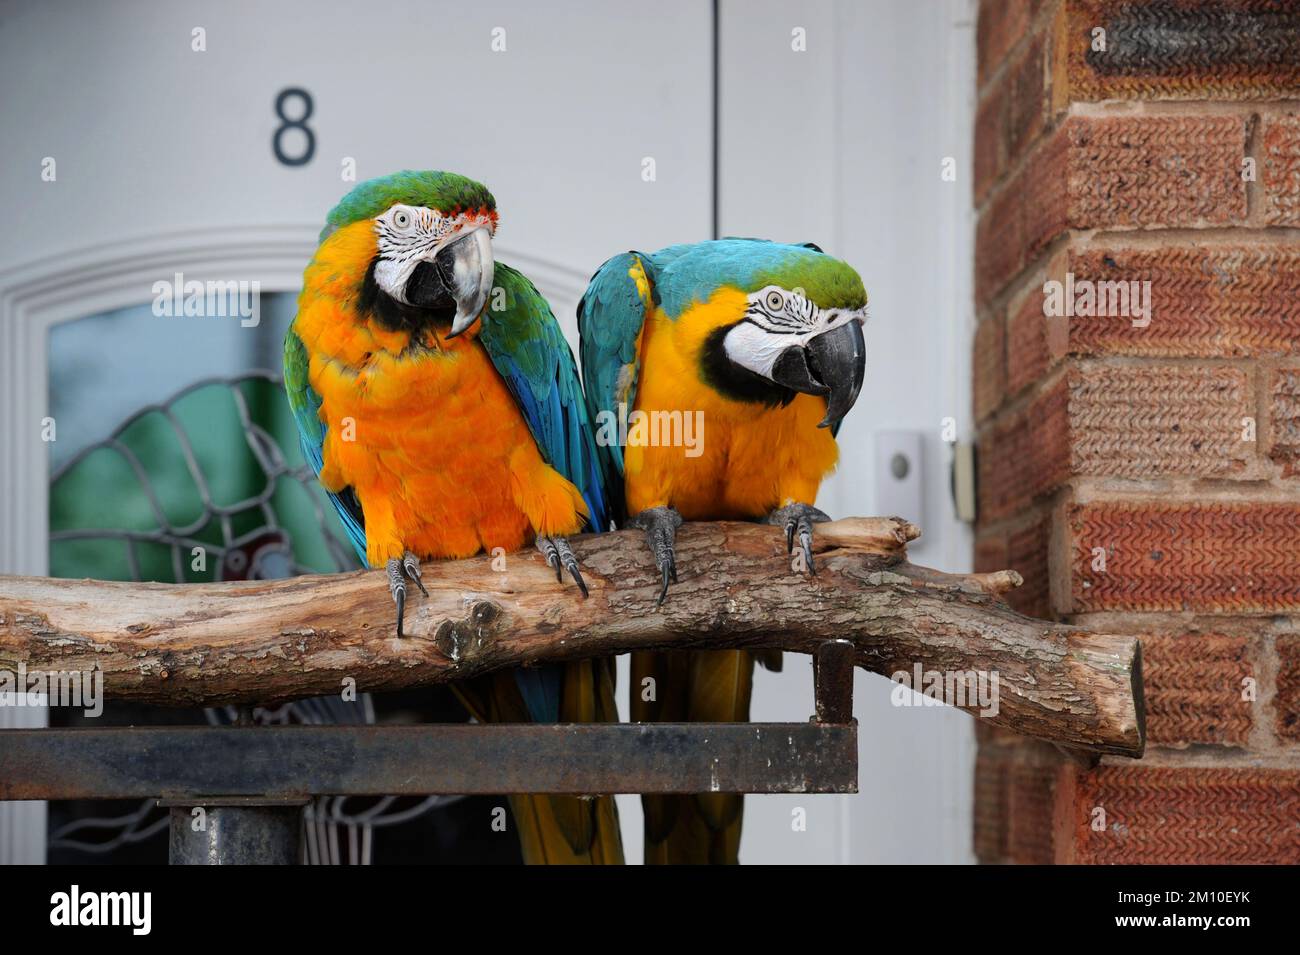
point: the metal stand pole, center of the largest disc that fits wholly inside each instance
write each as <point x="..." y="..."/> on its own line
<point x="833" y="682"/>
<point x="235" y="832"/>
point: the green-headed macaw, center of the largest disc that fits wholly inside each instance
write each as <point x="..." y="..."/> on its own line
<point x="762" y="342"/>
<point x="439" y="404"/>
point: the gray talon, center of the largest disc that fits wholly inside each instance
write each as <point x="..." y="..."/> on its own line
<point x="397" y="587"/>
<point x="552" y="555"/>
<point x="411" y="564"/>
<point x="798" y="519"/>
<point x="398" y="570"/>
<point x="559" y="554"/>
<point x="660" y="525"/>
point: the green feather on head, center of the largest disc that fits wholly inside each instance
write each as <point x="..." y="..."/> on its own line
<point x="686" y="275"/>
<point x="826" y="281"/>
<point x="447" y="192"/>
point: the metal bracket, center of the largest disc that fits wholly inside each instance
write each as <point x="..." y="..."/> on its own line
<point x="833" y="682"/>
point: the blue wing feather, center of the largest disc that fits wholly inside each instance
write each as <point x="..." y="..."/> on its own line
<point x="610" y="318"/>
<point x="305" y="404"/>
<point x="528" y="350"/>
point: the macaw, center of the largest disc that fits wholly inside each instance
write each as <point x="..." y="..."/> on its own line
<point x="764" y="342"/>
<point x="439" y="405"/>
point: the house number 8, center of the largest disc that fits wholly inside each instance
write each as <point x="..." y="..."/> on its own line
<point x="297" y="123"/>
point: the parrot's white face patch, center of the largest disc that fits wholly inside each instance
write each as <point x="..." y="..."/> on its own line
<point x="777" y="319"/>
<point x="409" y="235"/>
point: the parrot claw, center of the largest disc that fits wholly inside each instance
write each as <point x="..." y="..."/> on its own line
<point x="660" y="525"/>
<point x="411" y="564"/>
<point x="397" y="587"/>
<point x="398" y="570"/>
<point x="559" y="555"/>
<point x="799" y="519"/>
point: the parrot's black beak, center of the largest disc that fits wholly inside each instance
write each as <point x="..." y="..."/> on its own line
<point x="459" y="278"/>
<point x="832" y="364"/>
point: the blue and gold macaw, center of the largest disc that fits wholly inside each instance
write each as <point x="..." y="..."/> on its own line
<point x="440" y="406"/>
<point x="763" y="342"/>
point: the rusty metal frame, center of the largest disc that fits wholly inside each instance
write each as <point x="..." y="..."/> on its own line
<point x="251" y="781"/>
<point x="187" y="765"/>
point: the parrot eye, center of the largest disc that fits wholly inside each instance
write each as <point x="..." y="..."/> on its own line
<point x="775" y="300"/>
<point x="402" y="219"/>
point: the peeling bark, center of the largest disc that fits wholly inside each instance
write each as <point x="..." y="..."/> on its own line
<point x="271" y="641"/>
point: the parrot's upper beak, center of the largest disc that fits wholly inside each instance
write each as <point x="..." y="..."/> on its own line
<point x="832" y="364"/>
<point x="459" y="276"/>
<point x="472" y="269"/>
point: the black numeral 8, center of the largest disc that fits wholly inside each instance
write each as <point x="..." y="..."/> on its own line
<point x="299" y="123"/>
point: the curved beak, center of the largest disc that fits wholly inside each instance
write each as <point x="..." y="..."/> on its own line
<point x="832" y="364"/>
<point x="468" y="268"/>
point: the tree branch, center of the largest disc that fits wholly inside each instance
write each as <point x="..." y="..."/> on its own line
<point x="270" y="641"/>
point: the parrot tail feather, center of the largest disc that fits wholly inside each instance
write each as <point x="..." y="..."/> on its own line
<point x="554" y="830"/>
<point x="692" y="686"/>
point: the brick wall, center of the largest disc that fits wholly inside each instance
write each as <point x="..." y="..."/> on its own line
<point x="1145" y="477"/>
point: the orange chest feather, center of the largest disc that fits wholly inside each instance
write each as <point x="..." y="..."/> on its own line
<point x="743" y="459"/>
<point x="426" y="439"/>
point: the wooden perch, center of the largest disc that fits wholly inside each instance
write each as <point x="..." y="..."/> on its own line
<point x="270" y="641"/>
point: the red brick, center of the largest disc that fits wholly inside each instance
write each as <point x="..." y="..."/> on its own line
<point x="1000" y="247"/>
<point x="990" y="143"/>
<point x="991" y="552"/>
<point x="1112" y="172"/>
<point x="1202" y="558"/>
<point x="1035" y="342"/>
<point x="1011" y="115"/>
<point x="1140" y="421"/>
<point x="1001" y="23"/>
<point x="987" y="372"/>
<point x="1279" y="171"/>
<point x="1044" y="197"/>
<point x="1159" y="420"/>
<point x="1194" y="689"/>
<point x="1189" y="49"/>
<point x="1024" y="456"/>
<point x="992" y="766"/>
<point x="1027" y="96"/>
<point x="1027" y="554"/>
<point x="1030" y="804"/>
<point x="1117" y="421"/>
<point x="987" y="734"/>
<point x="1284" y="411"/>
<point x="1286" y="703"/>
<point x="1217" y="815"/>
<point x="1025" y="551"/>
<point x="1206" y="301"/>
<point x="1156" y="170"/>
